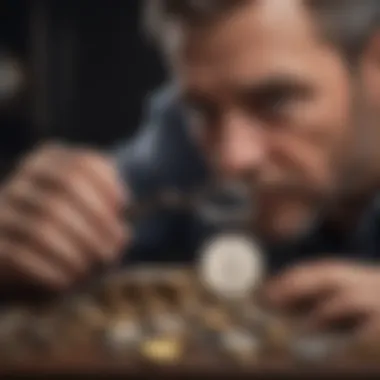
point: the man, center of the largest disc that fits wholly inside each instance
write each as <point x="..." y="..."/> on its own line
<point x="281" y="95"/>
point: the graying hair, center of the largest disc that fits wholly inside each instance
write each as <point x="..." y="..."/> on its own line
<point x="346" y="23"/>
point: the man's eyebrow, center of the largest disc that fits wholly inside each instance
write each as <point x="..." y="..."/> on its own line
<point x="274" y="83"/>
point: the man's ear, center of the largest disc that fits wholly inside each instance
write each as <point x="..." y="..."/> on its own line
<point x="370" y="69"/>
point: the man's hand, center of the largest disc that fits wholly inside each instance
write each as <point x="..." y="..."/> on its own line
<point x="335" y="292"/>
<point x="60" y="215"/>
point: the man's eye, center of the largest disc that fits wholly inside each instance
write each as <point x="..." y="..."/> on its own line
<point x="273" y="106"/>
<point x="201" y="114"/>
<point x="196" y="115"/>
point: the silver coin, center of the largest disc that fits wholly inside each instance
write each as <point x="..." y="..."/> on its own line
<point x="167" y="323"/>
<point x="123" y="334"/>
<point x="231" y="265"/>
<point x="240" y="342"/>
<point x="317" y="348"/>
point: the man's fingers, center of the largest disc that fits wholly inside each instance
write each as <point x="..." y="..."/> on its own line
<point x="95" y="243"/>
<point x="86" y="198"/>
<point x="91" y="187"/>
<point x="24" y="195"/>
<point x="28" y="265"/>
<point x="337" y="311"/>
<point x="44" y="237"/>
<point x="309" y="281"/>
<point x="80" y="196"/>
<point x="83" y="214"/>
<point x="62" y="209"/>
<point x="297" y="285"/>
<point x="102" y="172"/>
<point x="60" y="169"/>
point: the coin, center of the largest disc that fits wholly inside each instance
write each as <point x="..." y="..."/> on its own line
<point x="240" y="342"/>
<point x="168" y="323"/>
<point x="317" y="348"/>
<point x="231" y="265"/>
<point x="122" y="334"/>
<point x="165" y="351"/>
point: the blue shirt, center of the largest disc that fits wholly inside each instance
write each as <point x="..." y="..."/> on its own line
<point x="162" y="155"/>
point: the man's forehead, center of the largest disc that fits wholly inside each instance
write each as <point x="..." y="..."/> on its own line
<point x="257" y="27"/>
<point x="252" y="44"/>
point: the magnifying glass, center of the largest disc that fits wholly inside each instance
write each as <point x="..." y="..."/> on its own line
<point x="231" y="263"/>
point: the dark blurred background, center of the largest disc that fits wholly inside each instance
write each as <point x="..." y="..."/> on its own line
<point x="77" y="70"/>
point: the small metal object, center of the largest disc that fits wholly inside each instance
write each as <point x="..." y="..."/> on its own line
<point x="168" y="324"/>
<point x="123" y="334"/>
<point x="317" y="348"/>
<point x="167" y="199"/>
<point x="241" y="344"/>
<point x="218" y="203"/>
<point x="225" y="204"/>
<point x="231" y="266"/>
<point x="163" y="350"/>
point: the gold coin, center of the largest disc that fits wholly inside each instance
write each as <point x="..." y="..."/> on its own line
<point x="162" y="350"/>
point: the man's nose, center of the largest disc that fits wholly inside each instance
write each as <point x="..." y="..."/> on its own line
<point x="241" y="149"/>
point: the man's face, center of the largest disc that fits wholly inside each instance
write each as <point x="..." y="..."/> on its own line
<point x="272" y="105"/>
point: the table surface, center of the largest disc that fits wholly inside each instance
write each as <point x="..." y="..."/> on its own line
<point x="92" y="366"/>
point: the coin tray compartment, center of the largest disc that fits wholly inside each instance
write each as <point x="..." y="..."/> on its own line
<point x="160" y="316"/>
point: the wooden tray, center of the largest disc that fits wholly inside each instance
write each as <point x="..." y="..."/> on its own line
<point x="74" y="340"/>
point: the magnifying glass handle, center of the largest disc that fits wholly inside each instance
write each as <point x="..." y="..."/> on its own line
<point x="169" y="199"/>
<point x="222" y="206"/>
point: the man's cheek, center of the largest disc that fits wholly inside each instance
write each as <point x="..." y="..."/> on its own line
<point x="303" y="166"/>
<point x="281" y="217"/>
